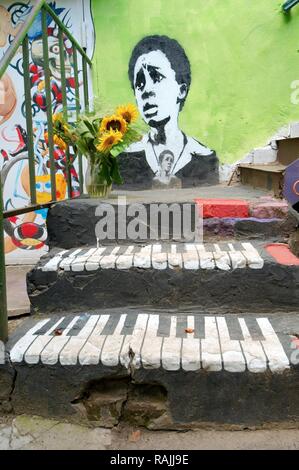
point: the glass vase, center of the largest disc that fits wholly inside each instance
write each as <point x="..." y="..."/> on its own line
<point x="95" y="185"/>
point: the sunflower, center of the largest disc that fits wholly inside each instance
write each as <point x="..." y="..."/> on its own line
<point x="108" y="140"/>
<point x="129" y="112"/>
<point x="115" y="123"/>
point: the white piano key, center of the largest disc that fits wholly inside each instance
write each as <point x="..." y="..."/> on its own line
<point x="125" y="261"/>
<point x="142" y="259"/>
<point x="19" y="349"/>
<point x="206" y="259"/>
<point x="66" y="262"/>
<point x="151" y="348"/>
<point x="50" y="354"/>
<point x="190" y="258"/>
<point x="91" y="351"/>
<point x="32" y="355"/>
<point x="191" y="349"/>
<point x="132" y="343"/>
<point x="108" y="262"/>
<point x="171" y="348"/>
<point x="174" y="258"/>
<point x="113" y="344"/>
<point x="79" y="262"/>
<point x="93" y="263"/>
<point x="252" y="256"/>
<point x="210" y="347"/>
<point x="53" y="264"/>
<point x="69" y="354"/>
<point x="278" y="360"/>
<point x="159" y="259"/>
<point x="253" y="350"/>
<point x="233" y="359"/>
<point x="238" y="261"/>
<point x="222" y="260"/>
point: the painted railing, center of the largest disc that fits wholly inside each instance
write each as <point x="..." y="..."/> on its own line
<point x="42" y="12"/>
<point x="287" y="6"/>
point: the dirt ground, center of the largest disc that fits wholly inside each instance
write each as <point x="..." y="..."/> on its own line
<point x="27" y="432"/>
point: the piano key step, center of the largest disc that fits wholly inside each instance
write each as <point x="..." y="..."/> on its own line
<point x="222" y="256"/>
<point x="196" y="368"/>
<point x="152" y="341"/>
<point x="228" y="275"/>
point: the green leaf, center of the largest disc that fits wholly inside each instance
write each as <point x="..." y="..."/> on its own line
<point x="117" y="179"/>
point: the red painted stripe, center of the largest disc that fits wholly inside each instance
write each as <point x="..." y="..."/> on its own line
<point x="282" y="254"/>
<point x="223" y="208"/>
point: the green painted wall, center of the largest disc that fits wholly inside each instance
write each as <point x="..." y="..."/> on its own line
<point x="244" y="57"/>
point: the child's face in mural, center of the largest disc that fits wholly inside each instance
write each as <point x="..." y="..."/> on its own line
<point x="157" y="91"/>
<point x="167" y="163"/>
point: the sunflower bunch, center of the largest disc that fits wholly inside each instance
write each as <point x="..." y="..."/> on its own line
<point x="100" y="138"/>
<point x="116" y="132"/>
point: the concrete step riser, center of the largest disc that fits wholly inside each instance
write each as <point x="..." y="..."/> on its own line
<point x="195" y="399"/>
<point x="79" y="226"/>
<point x="261" y="290"/>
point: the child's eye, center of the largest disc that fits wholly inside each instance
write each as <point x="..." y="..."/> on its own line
<point x="48" y="186"/>
<point x="140" y="80"/>
<point x="156" y="76"/>
<point x="38" y="186"/>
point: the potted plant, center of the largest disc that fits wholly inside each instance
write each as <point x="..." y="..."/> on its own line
<point x="101" y="139"/>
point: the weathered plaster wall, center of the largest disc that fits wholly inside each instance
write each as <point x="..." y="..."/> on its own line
<point x="244" y="58"/>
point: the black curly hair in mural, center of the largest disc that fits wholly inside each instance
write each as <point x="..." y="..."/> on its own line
<point x="174" y="53"/>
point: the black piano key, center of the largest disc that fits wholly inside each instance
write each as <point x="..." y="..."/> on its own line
<point x="234" y="329"/>
<point x="199" y="326"/>
<point x="80" y="323"/>
<point x="111" y="324"/>
<point x="129" y="325"/>
<point x="253" y="327"/>
<point x="122" y="249"/>
<point x="164" y="326"/>
<point x="108" y="250"/>
<point x="44" y="330"/>
<point x="181" y="326"/>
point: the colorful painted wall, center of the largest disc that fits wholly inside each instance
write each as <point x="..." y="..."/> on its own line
<point x="25" y="235"/>
<point x="244" y="60"/>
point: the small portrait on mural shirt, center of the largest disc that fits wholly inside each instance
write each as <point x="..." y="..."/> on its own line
<point x="160" y="75"/>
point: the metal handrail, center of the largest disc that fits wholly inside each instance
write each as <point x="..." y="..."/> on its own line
<point x="11" y="51"/>
<point x="287" y="6"/>
<point x="21" y="39"/>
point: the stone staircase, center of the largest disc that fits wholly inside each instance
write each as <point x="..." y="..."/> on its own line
<point x="167" y="334"/>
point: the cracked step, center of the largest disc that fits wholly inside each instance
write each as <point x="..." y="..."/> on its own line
<point x="244" y="364"/>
